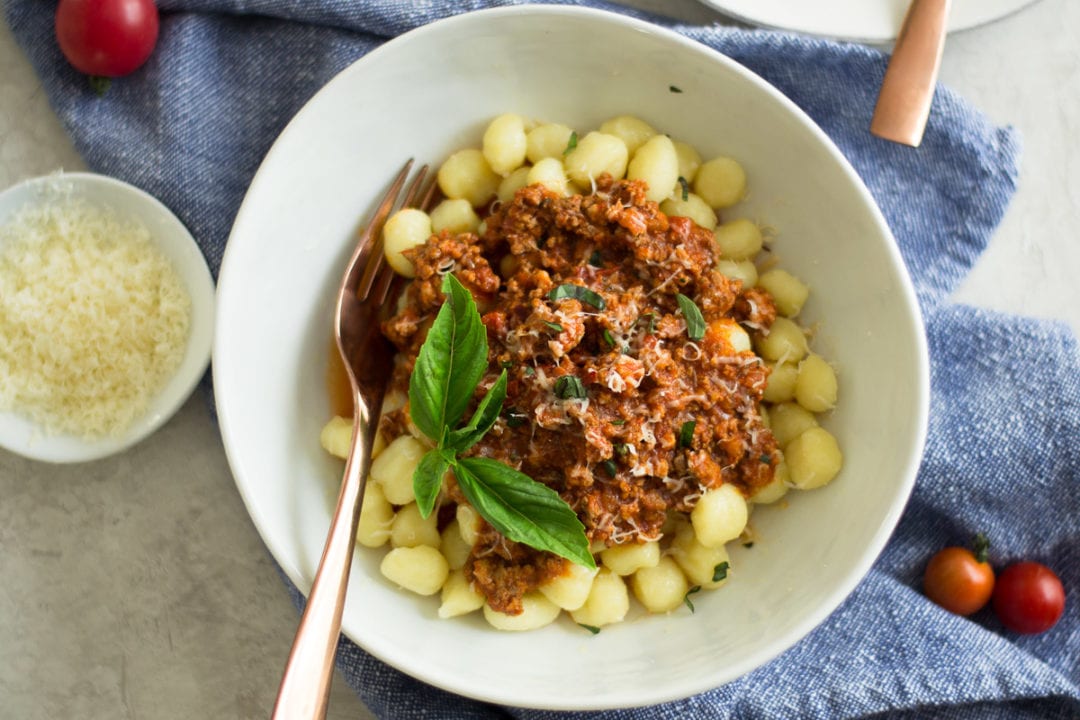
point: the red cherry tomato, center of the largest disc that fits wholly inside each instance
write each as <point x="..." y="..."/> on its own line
<point x="1029" y="598"/>
<point x="959" y="580"/>
<point x="107" y="38"/>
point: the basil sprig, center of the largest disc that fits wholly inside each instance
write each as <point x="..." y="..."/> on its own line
<point x="451" y="363"/>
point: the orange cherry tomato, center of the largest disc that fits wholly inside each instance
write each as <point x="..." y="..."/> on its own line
<point x="959" y="580"/>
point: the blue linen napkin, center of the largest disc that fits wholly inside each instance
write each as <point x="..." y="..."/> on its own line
<point x="1003" y="452"/>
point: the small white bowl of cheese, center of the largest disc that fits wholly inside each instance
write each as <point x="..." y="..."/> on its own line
<point x="106" y="316"/>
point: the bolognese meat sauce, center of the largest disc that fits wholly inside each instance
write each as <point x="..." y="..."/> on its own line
<point x="610" y="401"/>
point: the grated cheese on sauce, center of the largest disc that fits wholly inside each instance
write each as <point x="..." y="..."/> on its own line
<point x="93" y="318"/>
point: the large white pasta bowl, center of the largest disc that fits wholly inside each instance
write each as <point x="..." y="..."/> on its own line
<point x="432" y="91"/>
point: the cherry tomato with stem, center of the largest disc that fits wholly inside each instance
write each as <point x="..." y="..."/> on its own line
<point x="1029" y="598"/>
<point x="107" y="38"/>
<point x="960" y="580"/>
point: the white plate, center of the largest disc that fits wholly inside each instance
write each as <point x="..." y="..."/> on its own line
<point x="874" y="21"/>
<point x="21" y="436"/>
<point x="432" y="91"/>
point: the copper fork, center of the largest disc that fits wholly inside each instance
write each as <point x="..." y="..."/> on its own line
<point x="907" y="90"/>
<point x="368" y="358"/>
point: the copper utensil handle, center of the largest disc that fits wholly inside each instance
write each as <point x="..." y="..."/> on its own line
<point x="903" y="104"/>
<point x="305" y="685"/>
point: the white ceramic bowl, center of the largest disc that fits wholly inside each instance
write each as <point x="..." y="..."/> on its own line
<point x="431" y="92"/>
<point x="20" y="435"/>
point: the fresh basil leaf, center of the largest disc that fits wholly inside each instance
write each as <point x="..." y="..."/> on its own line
<point x="522" y="509"/>
<point x="591" y="628"/>
<point x="554" y="326"/>
<point x="720" y="571"/>
<point x="606" y="334"/>
<point x="487" y="412"/>
<point x="569" y="386"/>
<point x="451" y="362"/>
<point x="577" y="292"/>
<point x="685" y="188"/>
<point x="427" y="479"/>
<point x="674" y="88"/>
<point x="650" y="318"/>
<point x="611" y="468"/>
<point x="695" y="323"/>
<point x="595" y="259"/>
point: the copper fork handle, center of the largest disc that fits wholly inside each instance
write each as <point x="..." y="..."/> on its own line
<point x="903" y="105"/>
<point x="305" y="685"/>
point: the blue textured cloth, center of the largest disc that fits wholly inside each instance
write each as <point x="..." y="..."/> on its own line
<point x="1003" y="452"/>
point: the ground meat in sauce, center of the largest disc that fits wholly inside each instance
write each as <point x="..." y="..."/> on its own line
<point x="615" y="456"/>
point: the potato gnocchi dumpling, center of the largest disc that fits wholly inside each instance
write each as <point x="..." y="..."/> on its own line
<point x="538" y="611"/>
<point x="432" y="555"/>
<point x="458" y="596"/>
<point x="595" y="154"/>
<point x="608" y="601"/>
<point x="691" y="206"/>
<point x="660" y="588"/>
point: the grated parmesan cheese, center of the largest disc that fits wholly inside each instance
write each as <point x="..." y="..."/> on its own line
<point x="93" y="318"/>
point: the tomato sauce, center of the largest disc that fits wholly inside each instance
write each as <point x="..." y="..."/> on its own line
<point x="611" y="401"/>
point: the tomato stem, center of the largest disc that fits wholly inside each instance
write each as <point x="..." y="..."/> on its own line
<point x="980" y="545"/>
<point x="99" y="83"/>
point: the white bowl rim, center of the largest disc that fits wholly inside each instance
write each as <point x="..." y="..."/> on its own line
<point x="647" y="695"/>
<point x="22" y="437"/>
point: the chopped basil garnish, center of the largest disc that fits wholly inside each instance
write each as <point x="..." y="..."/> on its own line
<point x="554" y="326"/>
<point x="450" y="365"/>
<point x="748" y="544"/>
<point x="674" y="89"/>
<point x="595" y="259"/>
<point x="516" y="418"/>
<point x="695" y="323"/>
<point x="530" y="370"/>
<point x="686" y="433"/>
<point x="506" y="364"/>
<point x="766" y="459"/>
<point x="649" y="318"/>
<point x="571" y="144"/>
<point x="621" y="449"/>
<point x="577" y="292"/>
<point x="608" y="338"/>
<point x="685" y="188"/>
<point x="609" y="465"/>
<point x="686" y="597"/>
<point x="591" y="628"/>
<point x="620" y="421"/>
<point x="720" y="571"/>
<point x="569" y="386"/>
